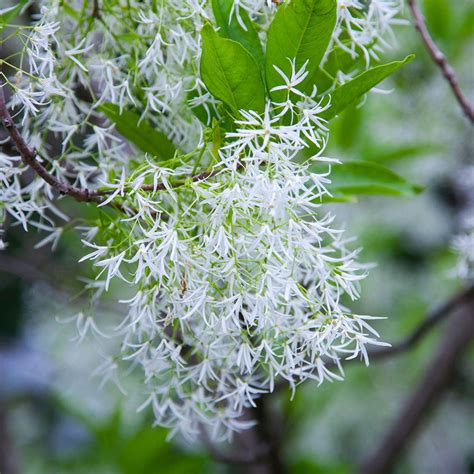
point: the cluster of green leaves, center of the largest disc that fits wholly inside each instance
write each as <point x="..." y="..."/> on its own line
<point x="237" y="72"/>
<point x="355" y="178"/>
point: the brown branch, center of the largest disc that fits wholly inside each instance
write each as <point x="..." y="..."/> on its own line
<point x="21" y="269"/>
<point x="440" y="59"/>
<point x="437" y="378"/>
<point x="429" y="323"/>
<point x="271" y="429"/>
<point x="29" y="157"/>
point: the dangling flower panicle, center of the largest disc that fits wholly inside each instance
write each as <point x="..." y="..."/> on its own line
<point x="232" y="277"/>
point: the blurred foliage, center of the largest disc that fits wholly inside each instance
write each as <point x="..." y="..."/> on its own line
<point x="112" y="445"/>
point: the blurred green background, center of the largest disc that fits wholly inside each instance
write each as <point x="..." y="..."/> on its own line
<point x="54" y="417"/>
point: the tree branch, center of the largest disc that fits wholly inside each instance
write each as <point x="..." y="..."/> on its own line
<point x="29" y="157"/>
<point x="437" y="378"/>
<point x="440" y="59"/>
<point x="21" y="269"/>
<point x="429" y="323"/>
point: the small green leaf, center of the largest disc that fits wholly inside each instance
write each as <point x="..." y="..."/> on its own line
<point x="351" y="91"/>
<point x="10" y="13"/>
<point x="301" y="30"/>
<point x="354" y="178"/>
<point x="229" y="27"/>
<point x="231" y="73"/>
<point x="140" y="132"/>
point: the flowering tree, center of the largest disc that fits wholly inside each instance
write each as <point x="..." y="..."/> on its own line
<point x="193" y="135"/>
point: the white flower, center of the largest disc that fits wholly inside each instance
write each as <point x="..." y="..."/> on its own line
<point x="296" y="78"/>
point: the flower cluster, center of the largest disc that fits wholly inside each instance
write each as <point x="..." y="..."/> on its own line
<point x="238" y="283"/>
<point x="235" y="280"/>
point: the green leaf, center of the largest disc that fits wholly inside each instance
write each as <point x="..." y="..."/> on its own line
<point x="346" y="130"/>
<point x="403" y="152"/>
<point x="231" y="73"/>
<point x="364" y="178"/>
<point x="351" y="91"/>
<point x="229" y="27"/>
<point x="301" y="30"/>
<point x="140" y="132"/>
<point x="10" y="13"/>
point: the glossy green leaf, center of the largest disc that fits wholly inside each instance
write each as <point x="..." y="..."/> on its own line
<point x="140" y="132"/>
<point x="10" y="13"/>
<point x="345" y="95"/>
<point x="364" y="178"/>
<point x="231" y="73"/>
<point x="231" y="28"/>
<point x="301" y="30"/>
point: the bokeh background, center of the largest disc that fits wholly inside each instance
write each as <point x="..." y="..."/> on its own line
<point x="56" y="417"/>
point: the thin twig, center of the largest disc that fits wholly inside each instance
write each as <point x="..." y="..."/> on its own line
<point x="177" y="184"/>
<point x="440" y="59"/>
<point x="430" y="322"/>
